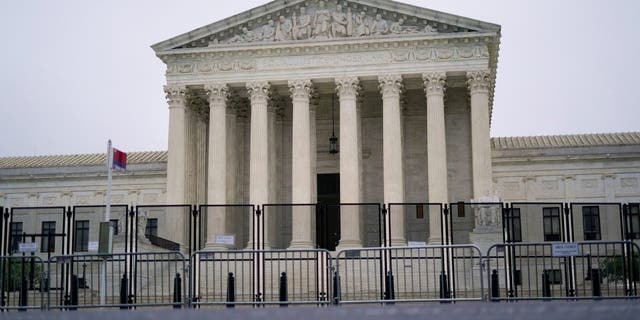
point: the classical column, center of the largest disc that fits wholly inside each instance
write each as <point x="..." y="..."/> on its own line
<point x="478" y="82"/>
<point x="259" y="148"/>
<point x="176" y="164"/>
<point x="302" y="220"/>
<point x="434" y="87"/>
<point x="347" y="88"/>
<point x="217" y="165"/>
<point x="392" y="154"/>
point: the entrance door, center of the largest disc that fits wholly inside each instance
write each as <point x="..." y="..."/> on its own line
<point x="328" y="217"/>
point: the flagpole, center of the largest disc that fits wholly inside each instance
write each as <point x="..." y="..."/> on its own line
<point x="107" y="212"/>
<point x="107" y="218"/>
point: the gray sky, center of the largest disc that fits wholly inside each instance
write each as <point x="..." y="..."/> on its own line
<point x="75" y="72"/>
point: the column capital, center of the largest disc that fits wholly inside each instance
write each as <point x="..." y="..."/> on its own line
<point x="390" y="85"/>
<point x="347" y="87"/>
<point x="435" y="83"/>
<point x="258" y="89"/>
<point x="175" y="95"/>
<point x="198" y="104"/>
<point x="478" y="81"/>
<point x="300" y="88"/>
<point x="217" y="92"/>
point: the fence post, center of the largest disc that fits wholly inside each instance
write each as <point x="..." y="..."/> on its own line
<point x="123" y="291"/>
<point x="495" y="284"/>
<point x="336" y="288"/>
<point x="231" y="290"/>
<point x="283" y="289"/>
<point x="546" y="284"/>
<point x="177" y="292"/>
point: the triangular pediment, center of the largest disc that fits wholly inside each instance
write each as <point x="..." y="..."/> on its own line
<point x="286" y="21"/>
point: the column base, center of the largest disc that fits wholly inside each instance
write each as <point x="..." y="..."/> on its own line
<point x="434" y="241"/>
<point x="301" y="244"/>
<point x="349" y="244"/>
<point x="214" y="246"/>
<point x="267" y="246"/>
<point x="398" y="242"/>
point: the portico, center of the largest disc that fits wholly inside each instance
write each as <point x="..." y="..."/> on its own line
<point x="412" y="110"/>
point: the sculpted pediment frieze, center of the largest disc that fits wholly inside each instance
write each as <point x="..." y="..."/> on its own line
<point x="318" y="20"/>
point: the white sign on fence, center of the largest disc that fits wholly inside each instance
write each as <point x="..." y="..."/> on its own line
<point x="27" y="246"/>
<point x="93" y="245"/>
<point x="564" y="249"/>
<point x="226" y="239"/>
<point x="416" y="243"/>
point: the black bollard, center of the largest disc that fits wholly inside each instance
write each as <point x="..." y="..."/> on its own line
<point x="596" y="287"/>
<point x="495" y="285"/>
<point x="231" y="290"/>
<point x="74" y="292"/>
<point x="283" y="289"/>
<point x="123" y="291"/>
<point x="546" y="284"/>
<point x="336" y="288"/>
<point x="444" y="287"/>
<point x="177" y="292"/>
<point x="24" y="294"/>
<point x="389" y="293"/>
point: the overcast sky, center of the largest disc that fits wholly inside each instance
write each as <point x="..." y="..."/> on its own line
<point x="74" y="73"/>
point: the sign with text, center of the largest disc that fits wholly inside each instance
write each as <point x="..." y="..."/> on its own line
<point x="564" y="249"/>
<point x="93" y="245"/>
<point x="226" y="239"/>
<point x="416" y="243"/>
<point x="27" y="247"/>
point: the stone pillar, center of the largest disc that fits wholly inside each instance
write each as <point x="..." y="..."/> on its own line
<point x="478" y="82"/>
<point x="259" y="149"/>
<point x="393" y="169"/>
<point x="434" y="87"/>
<point x="176" y="164"/>
<point x="217" y="163"/>
<point x="302" y="218"/>
<point x="350" y="234"/>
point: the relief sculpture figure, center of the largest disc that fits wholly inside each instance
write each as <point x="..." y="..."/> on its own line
<point x="321" y="22"/>
<point x="379" y="26"/>
<point x="361" y="28"/>
<point x="339" y="26"/>
<point x="302" y="25"/>
<point x="284" y="30"/>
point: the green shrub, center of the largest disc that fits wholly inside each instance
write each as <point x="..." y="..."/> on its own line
<point x="612" y="268"/>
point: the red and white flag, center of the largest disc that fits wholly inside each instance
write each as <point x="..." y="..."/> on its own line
<point x="119" y="160"/>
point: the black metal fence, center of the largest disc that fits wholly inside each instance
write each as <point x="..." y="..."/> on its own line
<point x="563" y="270"/>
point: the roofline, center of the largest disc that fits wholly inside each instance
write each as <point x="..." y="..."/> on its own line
<point x="276" y="5"/>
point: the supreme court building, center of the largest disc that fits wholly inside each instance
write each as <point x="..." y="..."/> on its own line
<point x="353" y="101"/>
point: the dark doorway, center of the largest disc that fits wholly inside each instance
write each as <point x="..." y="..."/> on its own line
<point x="328" y="217"/>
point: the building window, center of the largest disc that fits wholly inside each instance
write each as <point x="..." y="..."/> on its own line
<point x="48" y="243"/>
<point x="151" y="229"/>
<point x="114" y="226"/>
<point x="591" y="222"/>
<point x="551" y="224"/>
<point x="16" y="233"/>
<point x="81" y="236"/>
<point x="634" y="221"/>
<point x="554" y="276"/>
<point x="514" y="225"/>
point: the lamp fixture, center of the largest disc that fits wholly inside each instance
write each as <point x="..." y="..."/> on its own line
<point x="333" y="140"/>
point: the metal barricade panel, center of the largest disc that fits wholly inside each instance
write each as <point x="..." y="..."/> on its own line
<point x="481" y="219"/>
<point x="422" y="222"/>
<point x="237" y="222"/>
<point x="531" y="271"/>
<point x="86" y="226"/>
<point x="597" y="222"/>
<point x="132" y="280"/>
<point x="159" y="227"/>
<point x="23" y="282"/>
<point x="397" y="274"/>
<point x="253" y="277"/>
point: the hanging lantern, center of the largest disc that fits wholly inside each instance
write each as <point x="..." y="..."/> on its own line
<point x="333" y="140"/>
